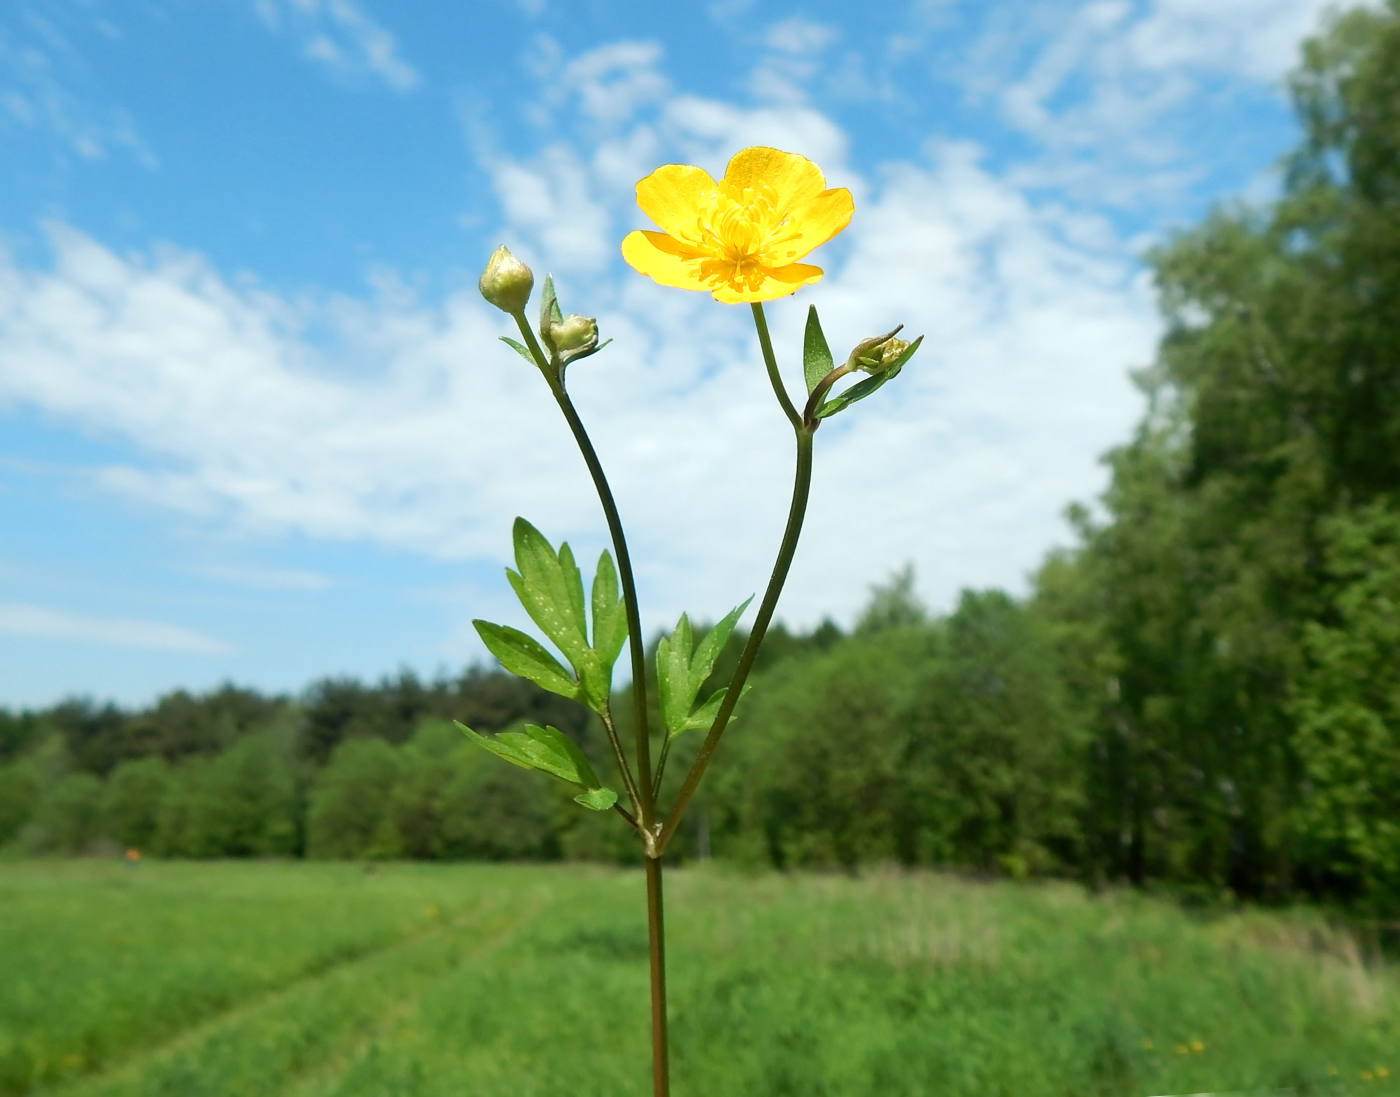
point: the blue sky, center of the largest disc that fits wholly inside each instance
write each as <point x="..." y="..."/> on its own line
<point x="254" y="423"/>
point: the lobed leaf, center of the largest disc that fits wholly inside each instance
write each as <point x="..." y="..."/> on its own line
<point x="599" y="799"/>
<point x="682" y="667"/>
<point x="674" y="689"/>
<point x="522" y="654"/>
<point x="704" y="716"/>
<point x="547" y="750"/>
<point x="551" y="590"/>
<point x="609" y="613"/>
<point x="707" y="653"/>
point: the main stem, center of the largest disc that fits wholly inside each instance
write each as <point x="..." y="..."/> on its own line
<point x="656" y="953"/>
<point x="646" y="806"/>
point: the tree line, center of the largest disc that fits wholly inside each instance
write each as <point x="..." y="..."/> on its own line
<point x="1202" y="690"/>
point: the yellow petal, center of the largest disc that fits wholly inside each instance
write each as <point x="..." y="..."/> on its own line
<point x="673" y="196"/>
<point x="780" y="282"/>
<point x="794" y="179"/>
<point x="662" y="259"/>
<point x="822" y="218"/>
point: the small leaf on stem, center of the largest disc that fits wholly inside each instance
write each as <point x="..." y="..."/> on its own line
<point x="816" y="355"/>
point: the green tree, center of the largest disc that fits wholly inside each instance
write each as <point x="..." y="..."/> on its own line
<point x="348" y="814"/>
<point x="498" y="813"/>
<point x="813" y="772"/>
<point x="992" y="776"/>
<point x="1274" y="405"/>
<point x="1347" y="706"/>
<point x="245" y="802"/>
<point x="19" y="792"/>
<point x="131" y="801"/>
<point x="67" y="817"/>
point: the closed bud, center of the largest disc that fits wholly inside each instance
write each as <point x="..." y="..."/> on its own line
<point x="878" y="354"/>
<point x="573" y="333"/>
<point x="506" y="282"/>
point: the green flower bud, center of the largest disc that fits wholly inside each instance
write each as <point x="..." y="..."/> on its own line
<point x="573" y="333"/>
<point x="506" y="282"/>
<point x="877" y="354"/>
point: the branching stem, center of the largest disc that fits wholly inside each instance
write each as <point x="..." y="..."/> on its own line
<point x="646" y="810"/>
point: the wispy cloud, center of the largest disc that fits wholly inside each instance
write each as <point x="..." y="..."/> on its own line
<point x="341" y="36"/>
<point x="399" y="424"/>
<point x="1115" y="93"/>
<point x="42" y="90"/>
<point x="433" y="442"/>
<point x="40" y="623"/>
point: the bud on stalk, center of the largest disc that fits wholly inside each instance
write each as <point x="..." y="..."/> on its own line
<point x="506" y="282"/>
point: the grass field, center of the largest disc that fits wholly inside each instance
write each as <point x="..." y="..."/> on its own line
<point x="257" y="979"/>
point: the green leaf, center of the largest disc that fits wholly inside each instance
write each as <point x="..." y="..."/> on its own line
<point x="549" y="306"/>
<point x="704" y="716"/>
<point x="609" y="613"/>
<point x="682" y="667"/>
<point x="676" y="693"/>
<point x="548" y="750"/>
<point x="707" y="653"/>
<point x="551" y="590"/>
<point x="524" y="655"/>
<point x="520" y="350"/>
<point x="599" y="799"/>
<point x="573" y="585"/>
<point x="816" y="355"/>
<point x="856" y="392"/>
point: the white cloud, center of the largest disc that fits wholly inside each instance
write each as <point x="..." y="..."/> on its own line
<point x="422" y="433"/>
<point x="341" y="36"/>
<point x="794" y="55"/>
<point x="40" y="623"/>
<point x="1115" y="92"/>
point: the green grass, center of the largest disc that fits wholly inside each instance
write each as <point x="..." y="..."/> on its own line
<point x="322" y="980"/>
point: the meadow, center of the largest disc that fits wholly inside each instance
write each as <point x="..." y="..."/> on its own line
<point x="238" y="979"/>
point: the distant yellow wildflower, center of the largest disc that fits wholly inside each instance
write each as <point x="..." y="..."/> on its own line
<point x="740" y="238"/>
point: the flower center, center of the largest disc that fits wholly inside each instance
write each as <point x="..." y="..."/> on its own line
<point x="743" y="233"/>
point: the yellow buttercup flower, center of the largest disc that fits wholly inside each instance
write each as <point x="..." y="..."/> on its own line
<point x="740" y="238"/>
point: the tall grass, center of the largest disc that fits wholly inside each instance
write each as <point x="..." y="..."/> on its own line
<point x="250" y="979"/>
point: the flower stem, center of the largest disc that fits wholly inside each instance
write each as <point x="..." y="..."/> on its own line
<point x="646" y="810"/>
<point x="660" y="768"/>
<point x="779" y="389"/>
<point x="797" y="511"/>
<point x="656" y="951"/>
